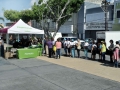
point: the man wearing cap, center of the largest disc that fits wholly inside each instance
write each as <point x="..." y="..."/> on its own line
<point x="111" y="47"/>
<point x="103" y="50"/>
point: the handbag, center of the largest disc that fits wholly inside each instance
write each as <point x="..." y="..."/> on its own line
<point x="54" y="48"/>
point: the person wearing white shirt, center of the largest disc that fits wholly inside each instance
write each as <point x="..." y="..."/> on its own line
<point x="65" y="46"/>
<point x="68" y="47"/>
<point x="86" y="49"/>
<point x="72" y="45"/>
<point x="78" y="46"/>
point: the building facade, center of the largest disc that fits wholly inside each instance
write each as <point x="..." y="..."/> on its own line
<point x="69" y="28"/>
<point x="91" y="18"/>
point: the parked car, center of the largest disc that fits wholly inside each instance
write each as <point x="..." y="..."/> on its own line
<point x="82" y="43"/>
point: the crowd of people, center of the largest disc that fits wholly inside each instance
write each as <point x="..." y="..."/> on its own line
<point x="24" y="42"/>
<point x="101" y="49"/>
<point x="53" y="49"/>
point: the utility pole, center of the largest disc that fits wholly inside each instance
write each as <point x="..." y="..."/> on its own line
<point x="104" y="5"/>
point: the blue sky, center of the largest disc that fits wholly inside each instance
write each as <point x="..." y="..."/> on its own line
<point x="15" y="5"/>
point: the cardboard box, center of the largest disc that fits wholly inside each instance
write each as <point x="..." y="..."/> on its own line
<point x="8" y="55"/>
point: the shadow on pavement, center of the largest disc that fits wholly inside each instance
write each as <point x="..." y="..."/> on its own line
<point x="106" y="63"/>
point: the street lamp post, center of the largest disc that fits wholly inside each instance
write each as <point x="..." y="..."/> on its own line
<point x="104" y="6"/>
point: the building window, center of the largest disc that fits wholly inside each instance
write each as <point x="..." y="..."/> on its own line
<point x="118" y="14"/>
<point x="64" y="35"/>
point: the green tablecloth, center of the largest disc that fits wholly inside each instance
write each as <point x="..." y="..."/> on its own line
<point x="29" y="53"/>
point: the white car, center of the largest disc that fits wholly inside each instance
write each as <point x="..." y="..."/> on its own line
<point x="82" y="43"/>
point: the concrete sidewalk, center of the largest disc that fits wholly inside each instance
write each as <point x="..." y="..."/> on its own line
<point x="88" y="66"/>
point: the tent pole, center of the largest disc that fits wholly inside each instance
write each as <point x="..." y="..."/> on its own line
<point x="43" y="43"/>
<point x="18" y="38"/>
<point x="7" y="40"/>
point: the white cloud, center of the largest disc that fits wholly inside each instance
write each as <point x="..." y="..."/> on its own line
<point x="33" y="1"/>
<point x="30" y="8"/>
<point x="111" y="1"/>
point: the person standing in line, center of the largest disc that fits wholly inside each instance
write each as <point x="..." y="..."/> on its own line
<point x="111" y="47"/>
<point x="53" y="42"/>
<point x="99" y="50"/>
<point x="1" y="49"/>
<point x="46" y="47"/>
<point x="78" y="44"/>
<point x="50" y="47"/>
<point x="103" y="50"/>
<point x="94" y="51"/>
<point x="65" y="46"/>
<point x="116" y="54"/>
<point x="86" y="49"/>
<point x="58" y="45"/>
<point x="2" y="46"/>
<point x="69" y="48"/>
<point x="72" y="45"/>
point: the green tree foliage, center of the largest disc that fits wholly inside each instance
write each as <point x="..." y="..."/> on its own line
<point x="12" y="15"/>
<point x="40" y="15"/>
<point x="59" y="11"/>
<point x="26" y="15"/>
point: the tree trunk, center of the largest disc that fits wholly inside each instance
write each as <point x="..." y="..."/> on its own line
<point x="56" y="29"/>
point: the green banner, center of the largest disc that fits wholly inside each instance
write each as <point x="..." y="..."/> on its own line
<point x="29" y="53"/>
<point x="116" y="21"/>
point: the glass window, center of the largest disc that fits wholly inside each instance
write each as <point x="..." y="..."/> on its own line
<point x="118" y="14"/>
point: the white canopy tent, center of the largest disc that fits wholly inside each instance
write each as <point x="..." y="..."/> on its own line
<point x="21" y="28"/>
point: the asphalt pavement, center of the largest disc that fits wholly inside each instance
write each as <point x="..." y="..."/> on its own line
<point x="36" y="74"/>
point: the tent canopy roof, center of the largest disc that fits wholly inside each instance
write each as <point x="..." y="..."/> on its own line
<point x="21" y="28"/>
